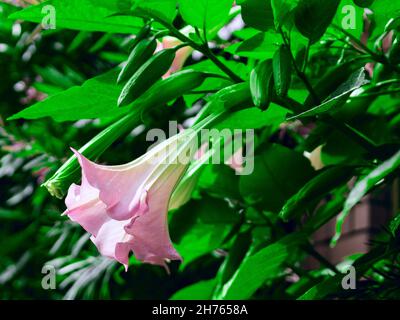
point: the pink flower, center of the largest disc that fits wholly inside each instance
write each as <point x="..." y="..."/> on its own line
<point x="125" y="207"/>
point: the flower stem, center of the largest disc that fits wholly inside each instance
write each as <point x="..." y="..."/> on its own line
<point x="200" y="47"/>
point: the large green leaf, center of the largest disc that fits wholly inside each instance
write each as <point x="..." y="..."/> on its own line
<point x="384" y="10"/>
<point x="339" y="149"/>
<point x="257" y="14"/>
<point x="200" y="227"/>
<point x="283" y="12"/>
<point x="206" y="14"/>
<point x="88" y="15"/>
<point x="96" y="98"/>
<point x="162" y="9"/>
<point x="312" y="17"/>
<point x="254" y="118"/>
<point x="363" y="187"/>
<point x="316" y="189"/>
<point x="337" y="98"/>
<point x="263" y="265"/>
<point x="241" y="246"/>
<point x="334" y="78"/>
<point x="261" y="46"/>
<point x="199" y="291"/>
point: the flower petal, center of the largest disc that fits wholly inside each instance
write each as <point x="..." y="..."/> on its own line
<point x="112" y="241"/>
<point x="85" y="208"/>
<point x="117" y="185"/>
<point x="152" y="243"/>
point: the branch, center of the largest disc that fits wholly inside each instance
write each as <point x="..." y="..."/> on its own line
<point x="202" y="48"/>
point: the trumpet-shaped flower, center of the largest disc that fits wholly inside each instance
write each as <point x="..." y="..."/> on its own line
<point x="125" y="207"/>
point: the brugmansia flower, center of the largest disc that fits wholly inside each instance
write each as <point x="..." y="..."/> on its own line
<point x="125" y="207"/>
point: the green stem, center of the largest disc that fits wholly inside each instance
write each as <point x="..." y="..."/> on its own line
<point x="306" y="57"/>
<point x="315" y="254"/>
<point x="202" y="48"/>
<point x="300" y="73"/>
<point x="376" y="57"/>
<point x="352" y="47"/>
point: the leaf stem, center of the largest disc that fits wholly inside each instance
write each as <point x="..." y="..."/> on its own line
<point x="202" y="48"/>
<point x="300" y="73"/>
<point x="377" y="57"/>
<point x="315" y="254"/>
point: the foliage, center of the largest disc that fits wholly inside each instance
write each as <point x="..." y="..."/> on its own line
<point x="294" y="71"/>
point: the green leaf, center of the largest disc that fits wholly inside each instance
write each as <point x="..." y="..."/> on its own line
<point x="316" y="189"/>
<point x="254" y="118"/>
<point x="214" y="83"/>
<point x="338" y="98"/>
<point x="282" y="67"/>
<point x="87" y="15"/>
<point x="257" y="14"/>
<point x="384" y="10"/>
<point x="334" y="78"/>
<point x="162" y="9"/>
<point x="53" y="76"/>
<point x="261" y="46"/>
<point x="312" y="17"/>
<point x="236" y="254"/>
<point x="206" y="14"/>
<point x="326" y="212"/>
<point x="278" y="174"/>
<point x="283" y="12"/>
<point x="324" y="288"/>
<point x="339" y="149"/>
<point x="363" y="187"/>
<point x="97" y="97"/>
<point x="258" y="268"/>
<point x="237" y="95"/>
<point x="199" y="291"/>
<point x="196" y="229"/>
